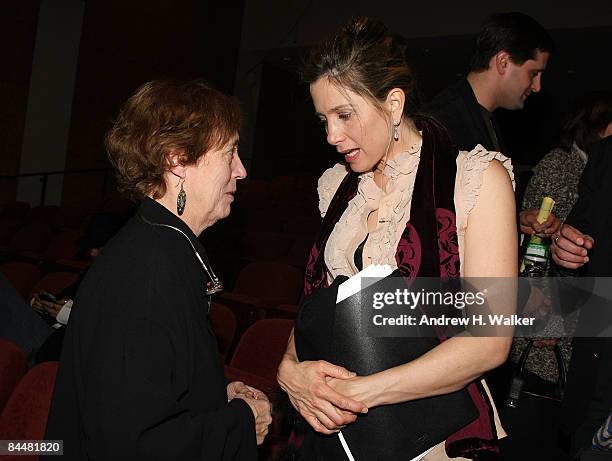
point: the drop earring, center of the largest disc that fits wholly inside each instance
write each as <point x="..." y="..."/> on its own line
<point x="395" y="131"/>
<point x="181" y="200"/>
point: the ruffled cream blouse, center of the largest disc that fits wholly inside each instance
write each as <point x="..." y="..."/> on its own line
<point x="394" y="207"/>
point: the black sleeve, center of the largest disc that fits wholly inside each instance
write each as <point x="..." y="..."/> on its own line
<point x="162" y="428"/>
<point x="586" y="215"/>
<point x="589" y="204"/>
<point x="121" y="392"/>
<point x="134" y="414"/>
<point x="159" y="424"/>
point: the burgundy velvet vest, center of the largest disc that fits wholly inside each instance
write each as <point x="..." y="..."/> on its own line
<point x="428" y="247"/>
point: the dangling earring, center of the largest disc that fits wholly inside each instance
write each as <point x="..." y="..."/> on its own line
<point x="181" y="200"/>
<point x="395" y="131"/>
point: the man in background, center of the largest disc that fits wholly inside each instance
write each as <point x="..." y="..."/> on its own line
<point x="510" y="53"/>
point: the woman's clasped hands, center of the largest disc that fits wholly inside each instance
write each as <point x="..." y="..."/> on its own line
<point x="45" y="303"/>
<point x="259" y="404"/>
<point x="310" y="387"/>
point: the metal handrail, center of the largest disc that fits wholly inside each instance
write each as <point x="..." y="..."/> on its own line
<point x="49" y="173"/>
<point x="44" y="176"/>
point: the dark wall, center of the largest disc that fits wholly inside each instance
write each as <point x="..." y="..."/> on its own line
<point x="579" y="65"/>
<point x="576" y="67"/>
<point x="289" y="140"/>
<point x="285" y="118"/>
<point x="127" y="43"/>
<point x="18" y="22"/>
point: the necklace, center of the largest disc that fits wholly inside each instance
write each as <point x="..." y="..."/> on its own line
<point x="214" y="285"/>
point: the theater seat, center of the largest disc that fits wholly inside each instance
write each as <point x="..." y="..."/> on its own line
<point x="12" y="369"/>
<point x="283" y="311"/>
<point x="304" y="225"/>
<point x="31" y="240"/>
<point x="271" y="283"/>
<point x="255" y="361"/>
<point x="18" y="210"/>
<point x="50" y="215"/>
<point x="55" y="282"/>
<point x="259" y="352"/>
<point x="261" y="286"/>
<point x="8" y="228"/>
<point x="223" y="323"/>
<point x="63" y="246"/>
<point x="22" y="276"/>
<point x="257" y="245"/>
<point x="25" y="415"/>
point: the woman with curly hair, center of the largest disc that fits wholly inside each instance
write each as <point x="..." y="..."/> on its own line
<point x="140" y="375"/>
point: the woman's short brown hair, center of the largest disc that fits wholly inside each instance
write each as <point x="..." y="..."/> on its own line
<point x="163" y="116"/>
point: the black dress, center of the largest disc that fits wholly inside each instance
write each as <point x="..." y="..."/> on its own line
<point x="139" y="375"/>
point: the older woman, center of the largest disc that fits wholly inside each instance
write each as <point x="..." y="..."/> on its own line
<point x="139" y="375"/>
<point x="394" y="200"/>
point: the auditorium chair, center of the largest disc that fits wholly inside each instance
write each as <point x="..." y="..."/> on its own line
<point x="261" y="286"/>
<point x="22" y="276"/>
<point x="223" y="322"/>
<point x="25" y="415"/>
<point x="270" y="283"/>
<point x="257" y="245"/>
<point x="255" y="361"/>
<point x="55" y="282"/>
<point x="9" y="226"/>
<point x="62" y="246"/>
<point x="259" y="352"/>
<point x="31" y="240"/>
<point x="73" y="216"/>
<point x="282" y="311"/>
<point x="18" y="210"/>
<point x="12" y="368"/>
<point x="260" y="221"/>
<point x="298" y="252"/>
<point x="50" y="215"/>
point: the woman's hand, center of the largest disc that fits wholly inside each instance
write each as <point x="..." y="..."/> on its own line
<point x="262" y="412"/>
<point x="259" y="403"/>
<point x="50" y="307"/>
<point x="325" y="409"/>
<point x="528" y="220"/>
<point x="360" y="388"/>
<point x="53" y="308"/>
<point x="36" y="303"/>
<point x="238" y="388"/>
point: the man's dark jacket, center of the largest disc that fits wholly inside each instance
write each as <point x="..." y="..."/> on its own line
<point x="458" y="110"/>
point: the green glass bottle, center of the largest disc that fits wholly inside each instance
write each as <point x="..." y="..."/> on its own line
<point x="535" y="259"/>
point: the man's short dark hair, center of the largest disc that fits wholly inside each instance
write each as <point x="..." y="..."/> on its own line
<point x="518" y="34"/>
